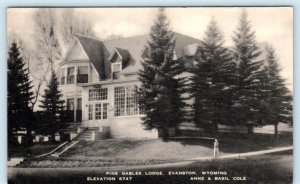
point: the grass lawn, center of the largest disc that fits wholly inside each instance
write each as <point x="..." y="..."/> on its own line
<point x="132" y="152"/>
<point x="34" y="150"/>
<point x="175" y="149"/>
<point x="138" y="149"/>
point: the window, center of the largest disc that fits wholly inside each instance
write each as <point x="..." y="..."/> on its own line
<point x="70" y="104"/>
<point x="116" y="70"/>
<point x="120" y="101"/>
<point x="70" y="75"/>
<point x="126" y="101"/>
<point x="90" y="112"/>
<point x="131" y="100"/>
<point x="79" y="104"/>
<point x="82" y="74"/>
<point x="98" y="94"/>
<point x="97" y="111"/>
<point x="104" y="110"/>
<point x="63" y="76"/>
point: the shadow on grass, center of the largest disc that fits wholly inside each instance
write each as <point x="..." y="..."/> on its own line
<point x="32" y="150"/>
<point x="238" y="143"/>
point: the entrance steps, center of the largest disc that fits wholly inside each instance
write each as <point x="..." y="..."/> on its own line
<point x="88" y="134"/>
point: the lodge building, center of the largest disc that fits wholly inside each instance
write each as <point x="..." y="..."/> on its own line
<point x="98" y="80"/>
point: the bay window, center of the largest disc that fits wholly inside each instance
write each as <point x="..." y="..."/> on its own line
<point x="82" y="74"/>
<point x="70" y="75"/>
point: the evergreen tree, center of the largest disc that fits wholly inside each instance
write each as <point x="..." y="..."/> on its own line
<point x="249" y="72"/>
<point x="53" y="106"/>
<point x="19" y="94"/>
<point x="160" y="95"/>
<point x="212" y="81"/>
<point x="277" y="98"/>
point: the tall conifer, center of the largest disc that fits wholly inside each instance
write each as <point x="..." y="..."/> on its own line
<point x="53" y="106"/>
<point x="249" y="72"/>
<point x="19" y="94"/>
<point x="212" y="81"/>
<point x="277" y="98"/>
<point x="160" y="95"/>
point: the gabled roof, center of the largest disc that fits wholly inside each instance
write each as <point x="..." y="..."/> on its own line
<point x="135" y="46"/>
<point x="94" y="49"/>
<point x="130" y="49"/>
<point x="122" y="53"/>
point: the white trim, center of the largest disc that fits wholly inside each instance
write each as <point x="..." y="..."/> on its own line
<point x="94" y="69"/>
<point x="112" y="55"/>
<point x="118" y="53"/>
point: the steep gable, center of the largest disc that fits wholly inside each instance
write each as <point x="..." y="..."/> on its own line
<point x="94" y="50"/>
<point x="76" y="52"/>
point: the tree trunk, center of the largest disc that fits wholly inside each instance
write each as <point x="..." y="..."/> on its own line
<point x="276" y="130"/>
<point x="163" y="133"/>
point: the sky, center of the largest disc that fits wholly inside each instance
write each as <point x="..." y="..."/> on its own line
<point x="271" y="24"/>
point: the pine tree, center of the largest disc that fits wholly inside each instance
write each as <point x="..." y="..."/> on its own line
<point x="249" y="72"/>
<point x="160" y="94"/>
<point x="212" y="80"/>
<point x="277" y="98"/>
<point x="19" y="94"/>
<point x="53" y="106"/>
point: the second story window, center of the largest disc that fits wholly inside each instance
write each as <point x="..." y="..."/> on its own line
<point x="116" y="70"/>
<point x="63" y="76"/>
<point x="82" y="74"/>
<point x="70" y="75"/>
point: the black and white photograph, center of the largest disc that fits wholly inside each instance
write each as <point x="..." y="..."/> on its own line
<point x="149" y="95"/>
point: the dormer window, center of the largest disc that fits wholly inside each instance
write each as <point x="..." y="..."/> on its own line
<point x="119" y="59"/>
<point x="82" y="74"/>
<point x="116" y="70"/>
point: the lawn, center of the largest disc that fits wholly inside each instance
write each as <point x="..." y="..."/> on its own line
<point x="133" y="152"/>
<point x="138" y="149"/>
<point x="175" y="148"/>
<point x="33" y="150"/>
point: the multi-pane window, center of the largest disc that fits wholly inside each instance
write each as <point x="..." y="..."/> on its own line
<point x="70" y="75"/>
<point x="98" y="94"/>
<point x="82" y="74"/>
<point x="131" y="100"/>
<point x="63" y="76"/>
<point x="97" y="111"/>
<point x="104" y="111"/>
<point x="120" y="101"/>
<point x="90" y="112"/>
<point x="126" y="101"/>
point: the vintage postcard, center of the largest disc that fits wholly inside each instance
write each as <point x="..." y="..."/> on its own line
<point x="150" y="95"/>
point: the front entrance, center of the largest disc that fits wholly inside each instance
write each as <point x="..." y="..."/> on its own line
<point x="97" y="113"/>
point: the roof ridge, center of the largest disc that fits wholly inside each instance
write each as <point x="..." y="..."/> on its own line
<point x="89" y="37"/>
<point x="125" y="37"/>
